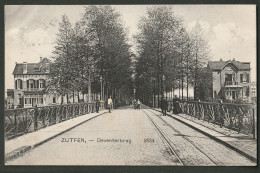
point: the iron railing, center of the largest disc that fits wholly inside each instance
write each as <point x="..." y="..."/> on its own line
<point x="239" y="117"/>
<point x="25" y="120"/>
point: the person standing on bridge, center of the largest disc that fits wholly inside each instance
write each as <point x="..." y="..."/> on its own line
<point x="109" y="104"/>
<point x="176" y="106"/>
<point x="97" y="105"/>
<point x="164" y="106"/>
<point x="138" y="104"/>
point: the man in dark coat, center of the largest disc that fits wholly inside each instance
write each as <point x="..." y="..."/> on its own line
<point x="97" y="105"/>
<point x="164" y="106"/>
<point x="176" y="107"/>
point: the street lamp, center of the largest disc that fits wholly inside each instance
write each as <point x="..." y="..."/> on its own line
<point x="101" y="89"/>
<point x="153" y="83"/>
<point x="163" y="87"/>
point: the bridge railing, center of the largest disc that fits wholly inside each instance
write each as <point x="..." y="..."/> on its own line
<point x="25" y="120"/>
<point x="239" y="117"/>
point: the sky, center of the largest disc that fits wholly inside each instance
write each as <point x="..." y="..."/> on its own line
<point x="30" y="31"/>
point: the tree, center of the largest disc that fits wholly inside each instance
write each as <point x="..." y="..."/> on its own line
<point x="157" y="49"/>
<point x="201" y="53"/>
<point x="111" y="55"/>
<point x="61" y="74"/>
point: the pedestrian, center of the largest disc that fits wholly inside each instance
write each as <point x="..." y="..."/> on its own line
<point x="134" y="103"/>
<point x="97" y="105"/>
<point x="164" y="106"/>
<point x="109" y="104"/>
<point x="138" y="104"/>
<point x="176" y="106"/>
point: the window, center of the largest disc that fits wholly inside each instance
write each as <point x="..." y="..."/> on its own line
<point x="31" y="83"/>
<point x="42" y="83"/>
<point x="40" y="100"/>
<point x="18" y="84"/>
<point x="54" y="99"/>
<point x="20" y="99"/>
<point x="28" y="101"/>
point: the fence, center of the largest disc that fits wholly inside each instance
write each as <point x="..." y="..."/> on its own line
<point x="25" y="120"/>
<point x="239" y="117"/>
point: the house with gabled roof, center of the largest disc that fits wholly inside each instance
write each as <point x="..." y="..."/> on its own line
<point x="231" y="79"/>
<point x="30" y="82"/>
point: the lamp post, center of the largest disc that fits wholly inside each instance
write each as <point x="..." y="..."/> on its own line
<point x="153" y="83"/>
<point x="101" y="89"/>
<point x="163" y="87"/>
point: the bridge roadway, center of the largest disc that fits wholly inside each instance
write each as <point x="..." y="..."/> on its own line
<point x="132" y="137"/>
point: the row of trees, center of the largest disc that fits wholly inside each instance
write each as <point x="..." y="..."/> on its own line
<point x="93" y="52"/>
<point x="169" y="57"/>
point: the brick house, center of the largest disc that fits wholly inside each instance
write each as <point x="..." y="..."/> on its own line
<point x="231" y="79"/>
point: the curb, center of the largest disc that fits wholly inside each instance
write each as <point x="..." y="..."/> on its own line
<point x="20" y="151"/>
<point x="215" y="138"/>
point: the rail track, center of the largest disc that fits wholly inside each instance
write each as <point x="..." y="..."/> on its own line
<point x="174" y="152"/>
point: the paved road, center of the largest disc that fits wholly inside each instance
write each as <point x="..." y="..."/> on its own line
<point x="128" y="137"/>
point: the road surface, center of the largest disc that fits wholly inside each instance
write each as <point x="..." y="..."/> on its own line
<point x="132" y="137"/>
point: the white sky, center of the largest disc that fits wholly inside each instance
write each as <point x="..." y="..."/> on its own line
<point x="30" y="31"/>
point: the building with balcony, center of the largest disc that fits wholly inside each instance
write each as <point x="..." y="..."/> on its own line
<point x="231" y="80"/>
<point x="30" y="81"/>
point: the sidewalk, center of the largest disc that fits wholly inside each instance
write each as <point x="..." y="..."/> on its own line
<point x="243" y="144"/>
<point x="19" y="145"/>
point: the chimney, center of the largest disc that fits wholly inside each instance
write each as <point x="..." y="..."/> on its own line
<point x="24" y="67"/>
<point x="40" y="58"/>
<point x="221" y="59"/>
<point x="47" y="67"/>
<point x="234" y="59"/>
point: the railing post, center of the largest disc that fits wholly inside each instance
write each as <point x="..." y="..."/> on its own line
<point x="254" y="126"/>
<point x="35" y="119"/>
<point x="15" y="123"/>
<point x="219" y="115"/>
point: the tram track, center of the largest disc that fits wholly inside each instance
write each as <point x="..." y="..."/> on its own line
<point x="195" y="143"/>
<point x="165" y="139"/>
<point x="184" y="137"/>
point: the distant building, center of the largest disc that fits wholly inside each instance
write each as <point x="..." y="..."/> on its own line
<point x="231" y="80"/>
<point x="9" y="99"/>
<point x="30" y="84"/>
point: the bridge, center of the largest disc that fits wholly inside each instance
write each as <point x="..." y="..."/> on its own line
<point x="202" y="134"/>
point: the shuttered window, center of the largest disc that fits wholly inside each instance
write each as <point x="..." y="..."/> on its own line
<point x="18" y="84"/>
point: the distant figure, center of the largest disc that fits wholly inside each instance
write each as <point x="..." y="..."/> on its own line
<point x="176" y="106"/>
<point x="97" y="105"/>
<point x="134" y="104"/>
<point x="164" y="106"/>
<point x="109" y="104"/>
<point x="138" y="104"/>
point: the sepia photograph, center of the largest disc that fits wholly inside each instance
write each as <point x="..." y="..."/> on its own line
<point x="130" y="85"/>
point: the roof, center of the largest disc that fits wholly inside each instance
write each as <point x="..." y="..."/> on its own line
<point x="219" y="65"/>
<point x="33" y="68"/>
